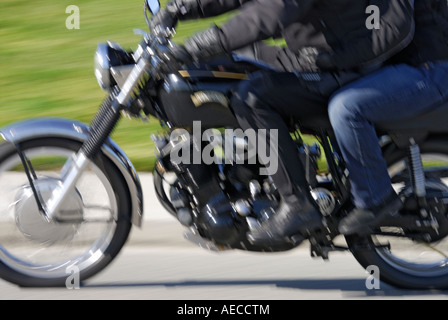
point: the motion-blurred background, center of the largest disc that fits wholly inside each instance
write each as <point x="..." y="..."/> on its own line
<point x="47" y="69"/>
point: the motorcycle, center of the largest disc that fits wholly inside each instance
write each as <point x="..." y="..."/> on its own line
<point x="70" y="195"/>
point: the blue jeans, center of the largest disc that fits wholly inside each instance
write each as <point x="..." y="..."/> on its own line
<point x="392" y="93"/>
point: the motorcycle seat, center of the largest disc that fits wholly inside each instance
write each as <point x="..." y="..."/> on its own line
<point x="435" y="120"/>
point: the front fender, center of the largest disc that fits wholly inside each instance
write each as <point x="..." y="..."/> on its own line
<point x="78" y="131"/>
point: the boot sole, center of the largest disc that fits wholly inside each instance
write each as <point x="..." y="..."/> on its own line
<point x="366" y="229"/>
<point x="294" y="239"/>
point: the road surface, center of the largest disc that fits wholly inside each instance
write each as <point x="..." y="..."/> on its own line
<point x="158" y="264"/>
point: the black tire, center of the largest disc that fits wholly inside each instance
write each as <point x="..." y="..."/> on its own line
<point x="363" y="248"/>
<point x="121" y="230"/>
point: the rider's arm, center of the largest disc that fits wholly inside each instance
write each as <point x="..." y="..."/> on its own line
<point x="192" y="9"/>
<point x="396" y="31"/>
<point x="211" y="8"/>
<point x="257" y="20"/>
<point x="260" y="20"/>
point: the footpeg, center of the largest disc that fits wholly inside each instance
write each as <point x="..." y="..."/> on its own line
<point x="322" y="247"/>
<point x="297" y="239"/>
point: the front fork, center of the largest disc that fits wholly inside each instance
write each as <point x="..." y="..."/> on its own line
<point x="100" y="129"/>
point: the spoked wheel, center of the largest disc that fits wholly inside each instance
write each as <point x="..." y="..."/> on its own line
<point x="84" y="237"/>
<point x="405" y="259"/>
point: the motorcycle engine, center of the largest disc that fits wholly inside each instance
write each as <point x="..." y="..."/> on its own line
<point x="228" y="217"/>
<point x="224" y="216"/>
<point x="222" y="203"/>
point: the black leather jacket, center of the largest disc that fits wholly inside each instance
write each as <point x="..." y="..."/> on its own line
<point x="336" y="26"/>
<point x="430" y="42"/>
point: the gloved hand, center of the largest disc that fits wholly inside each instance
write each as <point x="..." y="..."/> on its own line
<point x="180" y="54"/>
<point x="206" y="44"/>
<point x="176" y="10"/>
<point x="201" y="46"/>
<point x="325" y="62"/>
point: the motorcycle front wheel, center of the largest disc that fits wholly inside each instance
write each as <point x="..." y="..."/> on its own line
<point x="402" y="261"/>
<point x="86" y="236"/>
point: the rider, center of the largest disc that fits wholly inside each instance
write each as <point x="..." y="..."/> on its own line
<point x="416" y="85"/>
<point x="313" y="30"/>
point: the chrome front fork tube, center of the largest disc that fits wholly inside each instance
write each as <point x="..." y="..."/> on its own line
<point x="101" y="127"/>
<point x="70" y="175"/>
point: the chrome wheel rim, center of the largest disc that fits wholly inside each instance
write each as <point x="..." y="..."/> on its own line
<point x="80" y="243"/>
<point x="418" y="258"/>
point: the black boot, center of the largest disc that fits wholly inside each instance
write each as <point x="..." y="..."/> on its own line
<point x="363" y="221"/>
<point x="294" y="220"/>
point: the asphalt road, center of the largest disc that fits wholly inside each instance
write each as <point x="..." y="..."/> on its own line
<point x="158" y="264"/>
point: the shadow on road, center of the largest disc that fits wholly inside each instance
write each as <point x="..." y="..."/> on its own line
<point x="351" y="287"/>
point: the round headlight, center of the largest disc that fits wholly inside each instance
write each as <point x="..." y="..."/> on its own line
<point x="102" y="66"/>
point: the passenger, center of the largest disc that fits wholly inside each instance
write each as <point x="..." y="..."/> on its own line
<point x="416" y="83"/>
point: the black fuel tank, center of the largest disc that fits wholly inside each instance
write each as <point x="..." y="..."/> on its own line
<point x="199" y="96"/>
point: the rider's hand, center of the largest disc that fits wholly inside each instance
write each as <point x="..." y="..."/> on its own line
<point x="206" y="44"/>
<point x="164" y="18"/>
<point x="201" y="46"/>
<point x="176" y="10"/>
<point x="180" y="54"/>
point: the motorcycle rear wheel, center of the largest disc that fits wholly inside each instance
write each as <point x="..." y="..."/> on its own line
<point x="76" y="246"/>
<point x="403" y="262"/>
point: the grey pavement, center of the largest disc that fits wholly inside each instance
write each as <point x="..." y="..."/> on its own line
<point x="157" y="263"/>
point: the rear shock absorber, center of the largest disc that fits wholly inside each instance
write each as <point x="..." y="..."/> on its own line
<point x="418" y="176"/>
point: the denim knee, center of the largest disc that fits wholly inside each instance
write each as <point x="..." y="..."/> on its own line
<point x="340" y="111"/>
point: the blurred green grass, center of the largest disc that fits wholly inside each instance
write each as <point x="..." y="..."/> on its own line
<point x="46" y="70"/>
